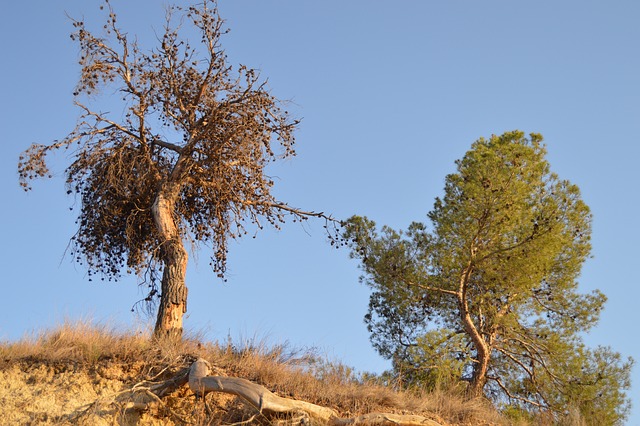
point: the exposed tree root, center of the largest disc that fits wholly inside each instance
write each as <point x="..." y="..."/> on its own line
<point x="153" y="390"/>
<point x="266" y="402"/>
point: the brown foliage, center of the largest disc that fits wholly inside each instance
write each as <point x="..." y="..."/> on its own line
<point x="196" y="132"/>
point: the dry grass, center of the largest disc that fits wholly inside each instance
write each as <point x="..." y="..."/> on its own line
<point x="80" y="373"/>
<point x="78" y="342"/>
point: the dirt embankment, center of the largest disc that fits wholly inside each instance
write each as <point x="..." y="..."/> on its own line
<point x="82" y="375"/>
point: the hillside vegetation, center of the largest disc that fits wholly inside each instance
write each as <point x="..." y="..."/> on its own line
<point x="89" y="375"/>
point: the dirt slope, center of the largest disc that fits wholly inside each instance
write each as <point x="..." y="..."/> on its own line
<point x="80" y="374"/>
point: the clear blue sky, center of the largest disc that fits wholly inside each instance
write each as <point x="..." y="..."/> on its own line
<point x="391" y="94"/>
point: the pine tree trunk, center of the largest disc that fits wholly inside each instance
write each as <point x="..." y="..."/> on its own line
<point x="173" y="297"/>
<point x="483" y="351"/>
<point x="479" y="377"/>
<point x="483" y="355"/>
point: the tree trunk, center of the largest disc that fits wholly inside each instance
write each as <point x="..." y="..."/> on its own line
<point x="483" y="351"/>
<point x="173" y="297"/>
<point x="479" y="377"/>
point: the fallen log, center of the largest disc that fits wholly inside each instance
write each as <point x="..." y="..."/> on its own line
<point x="266" y="402"/>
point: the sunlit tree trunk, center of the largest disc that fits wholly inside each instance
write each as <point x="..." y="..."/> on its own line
<point x="483" y="351"/>
<point x="173" y="298"/>
<point x="479" y="376"/>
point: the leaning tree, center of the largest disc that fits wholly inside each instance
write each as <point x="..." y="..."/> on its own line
<point x="488" y="293"/>
<point x="185" y="161"/>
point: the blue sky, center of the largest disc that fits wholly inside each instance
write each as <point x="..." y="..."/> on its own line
<point x="391" y="94"/>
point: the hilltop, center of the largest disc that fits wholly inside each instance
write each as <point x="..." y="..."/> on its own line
<point x="91" y="375"/>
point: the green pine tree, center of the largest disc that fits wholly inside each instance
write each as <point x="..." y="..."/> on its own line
<point x="488" y="294"/>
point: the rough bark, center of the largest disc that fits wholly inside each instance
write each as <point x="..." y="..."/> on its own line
<point x="267" y="402"/>
<point x="173" y="297"/>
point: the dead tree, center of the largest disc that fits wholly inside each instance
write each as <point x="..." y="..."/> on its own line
<point x="186" y="160"/>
